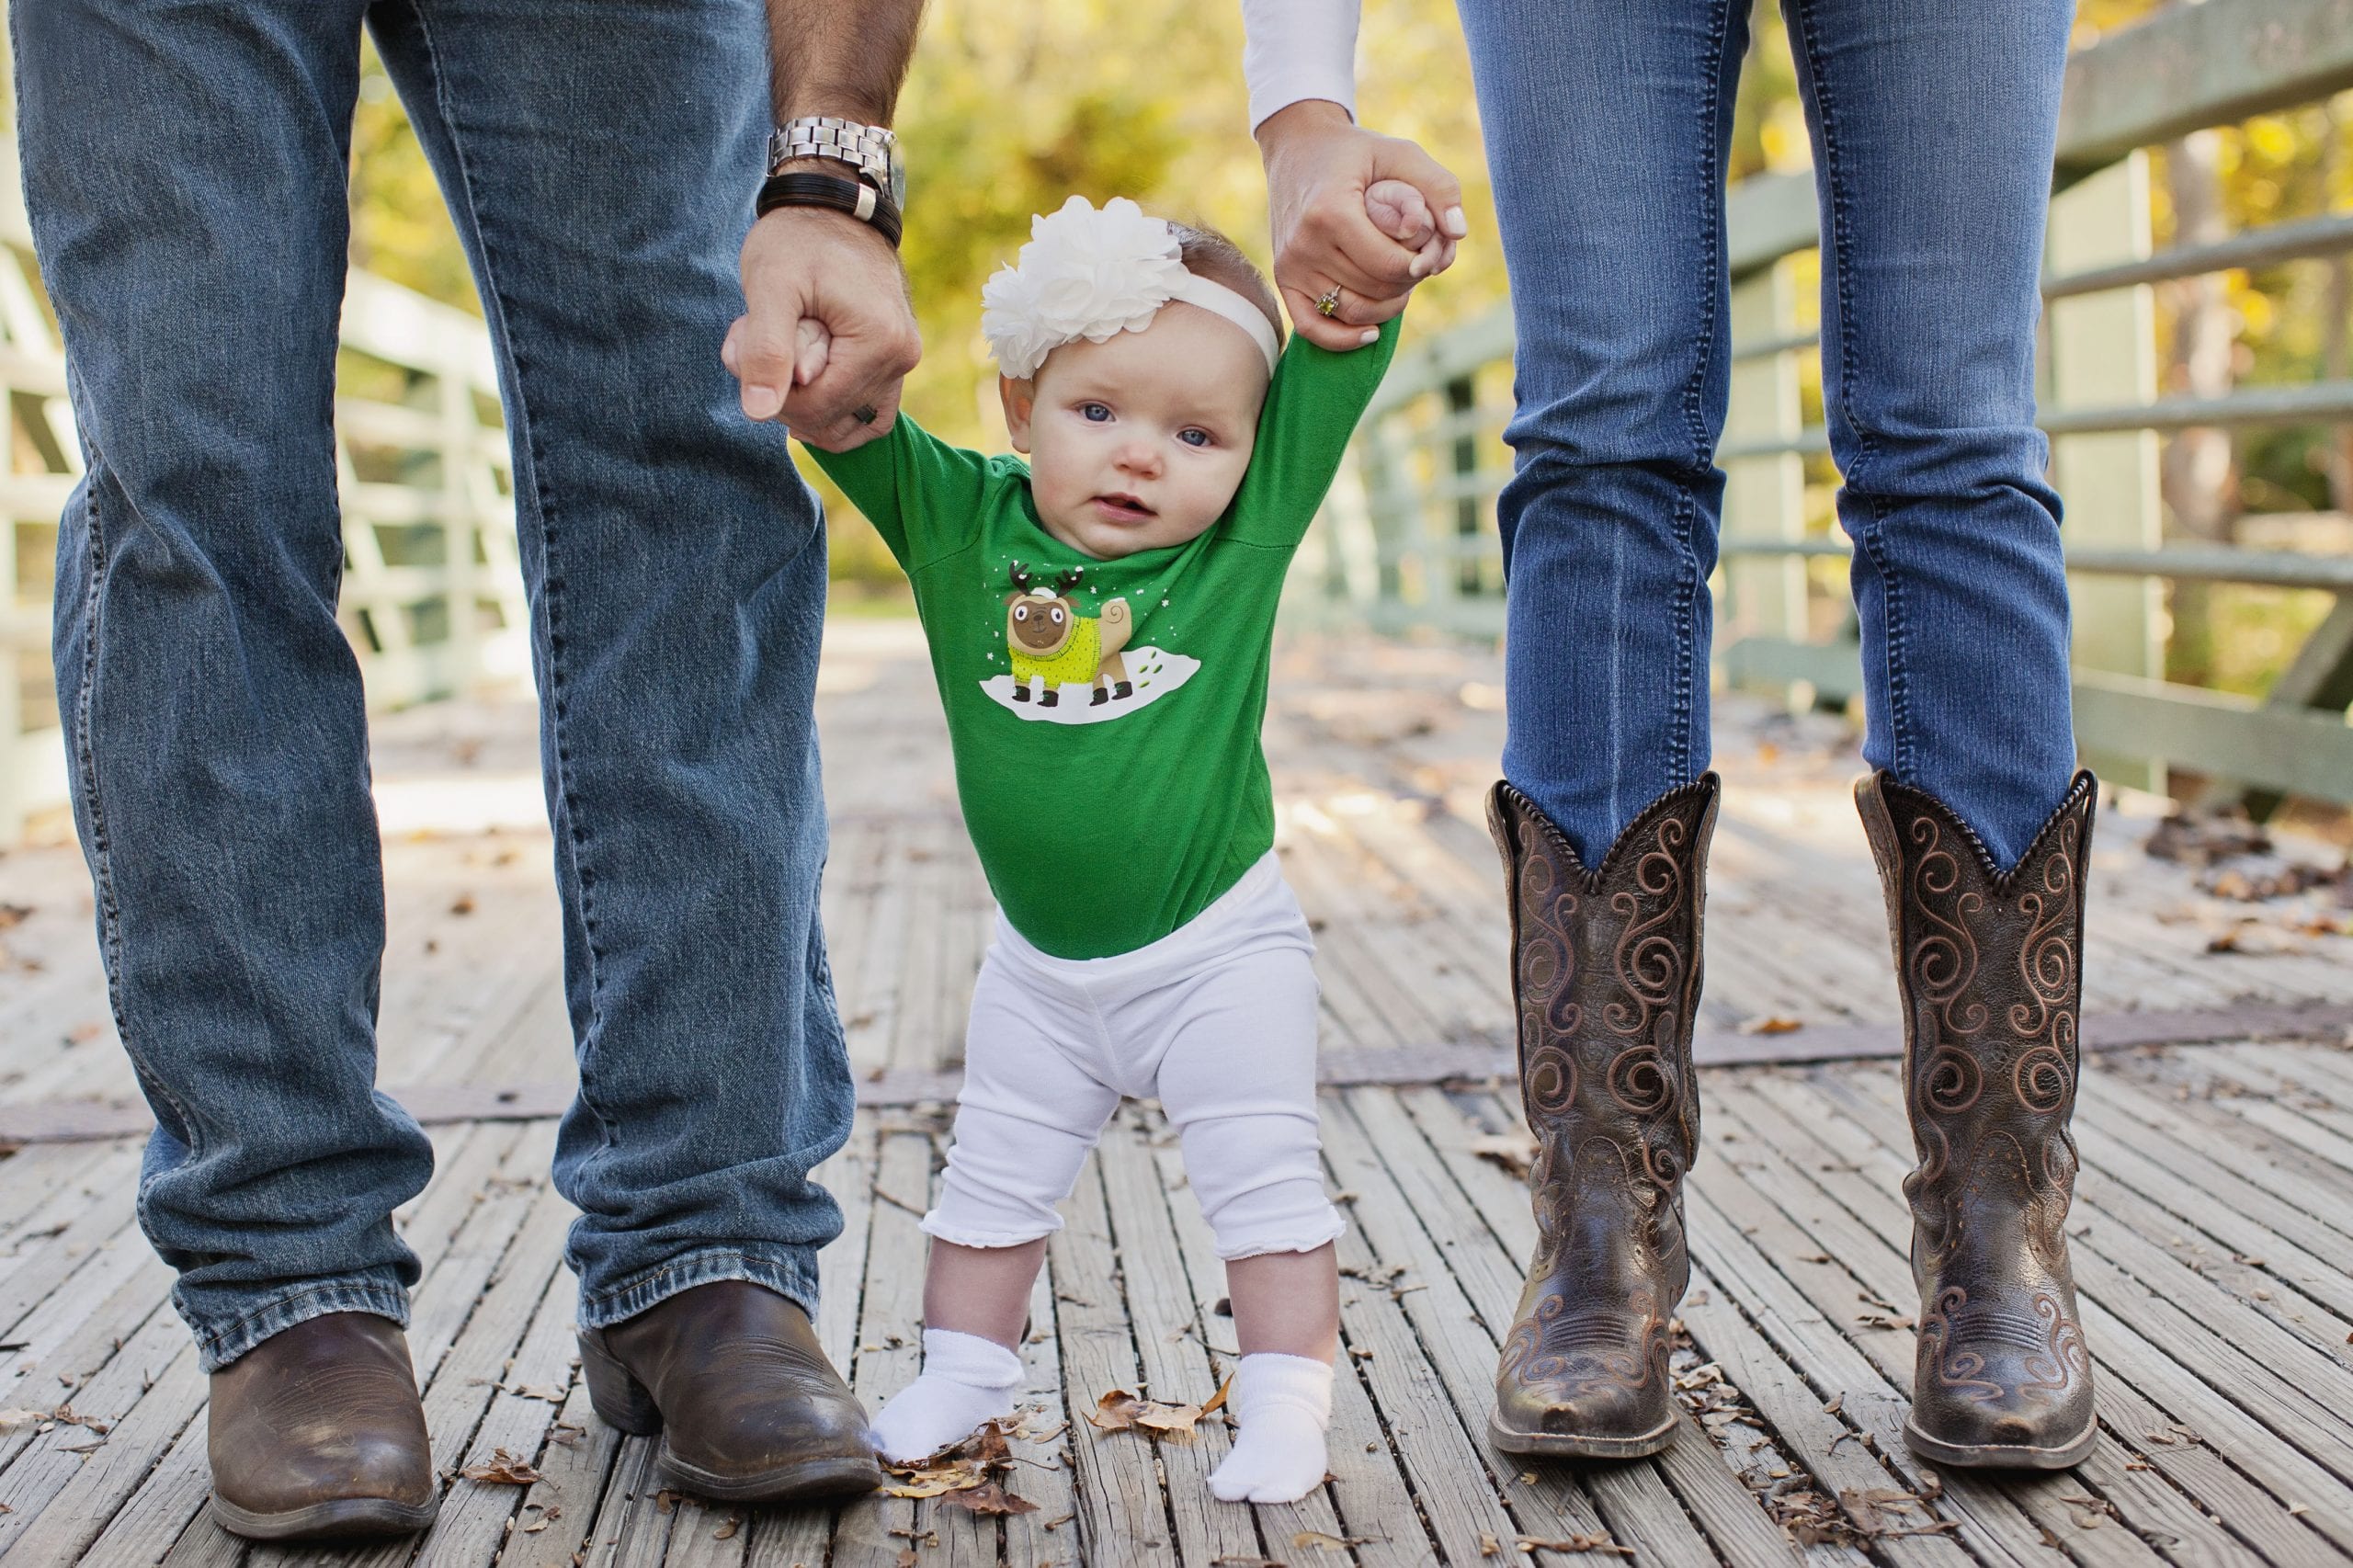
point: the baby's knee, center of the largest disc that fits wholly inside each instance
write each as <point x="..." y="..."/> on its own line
<point x="1004" y="1181"/>
<point x="1260" y="1182"/>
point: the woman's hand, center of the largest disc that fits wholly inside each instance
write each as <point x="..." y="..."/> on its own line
<point x="1367" y="214"/>
<point x="827" y="334"/>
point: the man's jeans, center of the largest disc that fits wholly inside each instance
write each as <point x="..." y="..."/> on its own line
<point x="1607" y="123"/>
<point x="185" y="167"/>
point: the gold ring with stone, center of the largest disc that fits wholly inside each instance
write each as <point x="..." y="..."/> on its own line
<point x="1329" y="305"/>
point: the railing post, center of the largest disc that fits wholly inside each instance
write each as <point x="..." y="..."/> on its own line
<point x="461" y="523"/>
<point x="1461" y="403"/>
<point x="1389" y="511"/>
<point x="2102" y="352"/>
<point x="1764" y="495"/>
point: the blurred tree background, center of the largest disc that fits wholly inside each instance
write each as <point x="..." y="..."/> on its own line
<point x="1011" y="109"/>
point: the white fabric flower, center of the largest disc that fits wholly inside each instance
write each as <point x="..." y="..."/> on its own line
<point x="1087" y="272"/>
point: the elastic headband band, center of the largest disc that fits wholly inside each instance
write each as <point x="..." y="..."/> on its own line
<point x="1215" y="297"/>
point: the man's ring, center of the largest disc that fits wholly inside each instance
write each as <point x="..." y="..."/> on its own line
<point x="866" y="415"/>
<point x="1329" y="305"/>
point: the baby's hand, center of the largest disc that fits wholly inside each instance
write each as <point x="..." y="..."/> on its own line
<point x="1397" y="209"/>
<point x="812" y="344"/>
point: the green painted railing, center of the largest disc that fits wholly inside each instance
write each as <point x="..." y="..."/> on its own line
<point x="432" y="596"/>
<point x="1412" y="543"/>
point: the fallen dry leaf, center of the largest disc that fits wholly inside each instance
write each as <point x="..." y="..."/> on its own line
<point x="953" y="1468"/>
<point x="989" y="1499"/>
<point x="1774" y="1024"/>
<point x="1516" y="1151"/>
<point x="1120" y="1411"/>
<point x="1318" y="1540"/>
<point x="727" y="1527"/>
<point x="503" y="1468"/>
<point x="1575" y="1544"/>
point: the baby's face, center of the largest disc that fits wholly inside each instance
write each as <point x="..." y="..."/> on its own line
<point x="1140" y="441"/>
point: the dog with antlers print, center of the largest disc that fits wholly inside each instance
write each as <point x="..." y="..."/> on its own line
<point x="1050" y="642"/>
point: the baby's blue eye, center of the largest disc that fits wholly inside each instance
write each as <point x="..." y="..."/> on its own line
<point x="1093" y="412"/>
<point x="1194" y="438"/>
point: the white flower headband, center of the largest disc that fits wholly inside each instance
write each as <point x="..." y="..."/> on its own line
<point x="1095" y="274"/>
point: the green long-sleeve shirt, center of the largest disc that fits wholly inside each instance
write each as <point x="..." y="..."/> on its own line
<point x="1104" y="825"/>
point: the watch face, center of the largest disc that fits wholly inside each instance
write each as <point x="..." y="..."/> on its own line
<point x="898" y="177"/>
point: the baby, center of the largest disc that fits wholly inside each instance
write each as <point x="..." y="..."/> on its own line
<point x="1100" y="620"/>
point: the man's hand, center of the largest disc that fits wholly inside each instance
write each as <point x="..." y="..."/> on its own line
<point x="1332" y="191"/>
<point x="827" y="333"/>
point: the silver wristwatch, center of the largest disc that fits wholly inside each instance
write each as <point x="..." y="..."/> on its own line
<point x="869" y="149"/>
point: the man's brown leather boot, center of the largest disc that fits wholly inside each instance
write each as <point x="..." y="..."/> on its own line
<point x="732" y="1375"/>
<point x="318" y="1431"/>
<point x="1990" y="967"/>
<point x="1605" y="978"/>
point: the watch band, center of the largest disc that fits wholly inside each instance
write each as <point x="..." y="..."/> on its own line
<point x="858" y="199"/>
<point x="866" y="148"/>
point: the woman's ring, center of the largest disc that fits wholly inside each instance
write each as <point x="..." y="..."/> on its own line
<point x="866" y="415"/>
<point x="1329" y="305"/>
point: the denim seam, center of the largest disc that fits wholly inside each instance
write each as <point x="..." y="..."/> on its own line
<point x="494" y="303"/>
<point x="85" y="758"/>
<point x="1712" y="258"/>
<point x="1873" y="543"/>
<point x="1711" y="263"/>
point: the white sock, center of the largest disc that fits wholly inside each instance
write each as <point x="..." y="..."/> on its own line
<point x="966" y="1379"/>
<point x="1284" y="1403"/>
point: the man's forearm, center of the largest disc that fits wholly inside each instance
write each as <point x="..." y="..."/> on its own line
<point x="840" y="57"/>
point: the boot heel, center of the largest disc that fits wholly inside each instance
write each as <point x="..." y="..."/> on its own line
<point x="621" y="1400"/>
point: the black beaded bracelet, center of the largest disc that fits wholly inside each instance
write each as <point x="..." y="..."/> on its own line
<point x="856" y="198"/>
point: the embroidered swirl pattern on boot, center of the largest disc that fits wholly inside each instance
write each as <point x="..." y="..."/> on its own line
<point x="1606" y="977"/>
<point x="1990" y="969"/>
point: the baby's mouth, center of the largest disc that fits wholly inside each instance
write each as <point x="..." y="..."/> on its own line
<point x="1123" y="508"/>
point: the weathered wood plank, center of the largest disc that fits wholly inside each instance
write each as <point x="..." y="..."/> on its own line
<point x="1693" y="1465"/>
<point x="1862" y="1173"/>
<point x="1633" y="1499"/>
<point x="889" y="1351"/>
<point x="2257" y="1362"/>
<point x="1122" y="1511"/>
<point x="1169" y="1353"/>
<point x="1431" y="1370"/>
<point x="1366" y="1497"/>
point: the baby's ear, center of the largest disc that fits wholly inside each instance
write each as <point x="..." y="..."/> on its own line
<point x="1020" y="400"/>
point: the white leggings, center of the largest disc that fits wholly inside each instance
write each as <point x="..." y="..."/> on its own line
<point x="1217" y="1020"/>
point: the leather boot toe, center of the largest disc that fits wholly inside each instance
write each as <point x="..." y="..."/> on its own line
<point x="732" y="1376"/>
<point x="318" y="1431"/>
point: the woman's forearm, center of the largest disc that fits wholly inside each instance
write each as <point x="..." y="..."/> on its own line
<point x="1299" y="48"/>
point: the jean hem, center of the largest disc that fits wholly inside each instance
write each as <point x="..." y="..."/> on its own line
<point x="219" y="1345"/>
<point x="792" y="1274"/>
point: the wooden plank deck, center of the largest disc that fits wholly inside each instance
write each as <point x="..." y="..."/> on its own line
<point x="2213" y="1232"/>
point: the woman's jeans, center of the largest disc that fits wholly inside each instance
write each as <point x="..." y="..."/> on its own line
<point x="1607" y="123"/>
<point x="185" y="167"/>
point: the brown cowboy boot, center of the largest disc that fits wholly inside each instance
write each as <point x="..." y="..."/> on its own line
<point x="1990" y="967"/>
<point x="318" y="1431"/>
<point x="732" y="1375"/>
<point x="1605" y="977"/>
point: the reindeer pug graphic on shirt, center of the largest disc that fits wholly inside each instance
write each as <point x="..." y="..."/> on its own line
<point x="1069" y="668"/>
